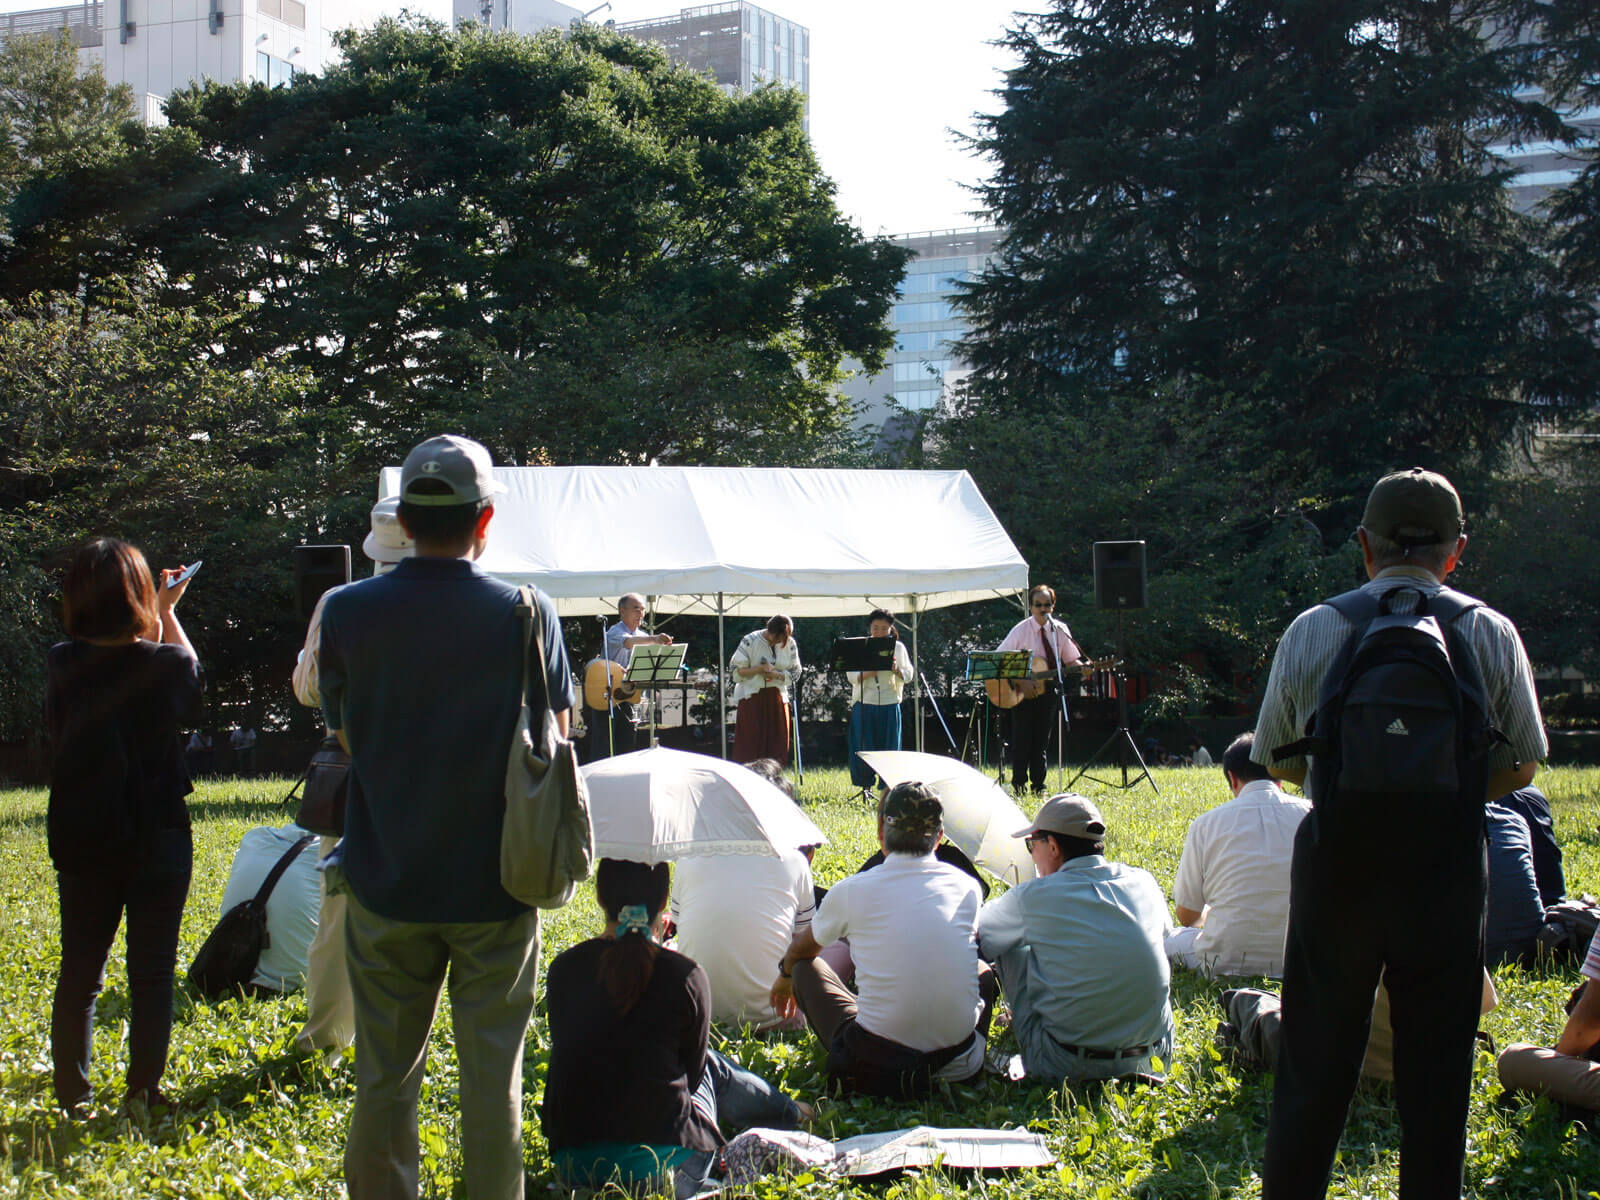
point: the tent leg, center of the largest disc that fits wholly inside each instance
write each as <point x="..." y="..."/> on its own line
<point x="916" y="694"/>
<point x="722" y="678"/>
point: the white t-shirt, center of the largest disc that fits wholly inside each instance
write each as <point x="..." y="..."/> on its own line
<point x="736" y="914"/>
<point x="292" y="909"/>
<point x="1235" y="869"/>
<point x="912" y="925"/>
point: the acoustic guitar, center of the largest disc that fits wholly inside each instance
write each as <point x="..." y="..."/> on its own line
<point x="1008" y="693"/>
<point x="603" y="685"/>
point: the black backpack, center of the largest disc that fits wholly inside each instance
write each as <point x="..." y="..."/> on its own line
<point x="1569" y="927"/>
<point x="1400" y="734"/>
<point x="228" y="959"/>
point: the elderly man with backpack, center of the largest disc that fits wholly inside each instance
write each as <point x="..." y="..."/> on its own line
<point x="1401" y="708"/>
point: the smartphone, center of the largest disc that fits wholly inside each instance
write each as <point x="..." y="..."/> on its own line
<point x="186" y="573"/>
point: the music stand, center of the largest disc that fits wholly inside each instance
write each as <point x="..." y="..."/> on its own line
<point x="651" y="665"/>
<point x="984" y="665"/>
<point x="862" y="654"/>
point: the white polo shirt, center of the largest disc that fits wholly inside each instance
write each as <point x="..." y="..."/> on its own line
<point x="736" y="914"/>
<point x="912" y="925"/>
<point x="1235" y="869"/>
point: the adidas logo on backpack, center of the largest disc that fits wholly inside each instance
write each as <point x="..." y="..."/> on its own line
<point x="1398" y="728"/>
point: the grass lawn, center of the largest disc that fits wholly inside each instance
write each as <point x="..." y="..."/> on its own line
<point x="256" y="1120"/>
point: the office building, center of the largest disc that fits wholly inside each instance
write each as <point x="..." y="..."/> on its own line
<point x="519" y="16"/>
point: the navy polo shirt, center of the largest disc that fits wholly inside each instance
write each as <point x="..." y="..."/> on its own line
<point x="421" y="670"/>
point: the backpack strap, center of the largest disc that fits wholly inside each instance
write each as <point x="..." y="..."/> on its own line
<point x="1360" y="608"/>
<point x="278" y="868"/>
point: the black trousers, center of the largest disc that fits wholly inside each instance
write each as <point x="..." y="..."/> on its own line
<point x="622" y="737"/>
<point x="151" y="889"/>
<point x="1031" y="724"/>
<point x="1412" y="901"/>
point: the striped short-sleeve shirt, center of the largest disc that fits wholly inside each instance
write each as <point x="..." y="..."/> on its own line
<point x="1315" y="637"/>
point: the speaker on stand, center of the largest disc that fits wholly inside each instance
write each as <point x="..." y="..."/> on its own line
<point x="1119" y="585"/>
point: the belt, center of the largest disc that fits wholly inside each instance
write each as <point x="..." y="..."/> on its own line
<point x="1130" y="1052"/>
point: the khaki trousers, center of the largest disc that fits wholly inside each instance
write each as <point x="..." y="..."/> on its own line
<point x="330" y="1010"/>
<point x="397" y="971"/>
<point x="1542" y="1072"/>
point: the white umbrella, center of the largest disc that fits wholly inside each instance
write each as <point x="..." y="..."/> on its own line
<point x="980" y="816"/>
<point x="659" y="804"/>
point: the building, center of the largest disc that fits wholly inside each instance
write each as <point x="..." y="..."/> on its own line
<point x="1544" y="167"/>
<point x="740" y="45"/>
<point x="924" y="364"/>
<point x="519" y="16"/>
<point x="159" y="46"/>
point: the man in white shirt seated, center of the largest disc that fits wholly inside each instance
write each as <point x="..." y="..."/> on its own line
<point x="921" y="1013"/>
<point x="291" y="908"/>
<point x="1078" y="952"/>
<point x="1232" y="889"/>
<point x="736" y="915"/>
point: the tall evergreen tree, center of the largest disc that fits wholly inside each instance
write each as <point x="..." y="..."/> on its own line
<point x="1255" y="254"/>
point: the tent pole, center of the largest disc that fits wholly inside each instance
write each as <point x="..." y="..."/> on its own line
<point x="916" y="685"/>
<point x="722" y="678"/>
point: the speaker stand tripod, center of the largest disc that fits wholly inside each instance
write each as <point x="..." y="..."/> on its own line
<point x="1127" y="751"/>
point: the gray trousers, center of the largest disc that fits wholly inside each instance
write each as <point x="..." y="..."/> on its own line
<point x="397" y="971"/>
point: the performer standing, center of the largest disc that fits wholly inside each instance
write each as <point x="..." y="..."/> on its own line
<point x="1050" y="642"/>
<point x="765" y="664"/>
<point x="615" y="730"/>
<point x="875" y="701"/>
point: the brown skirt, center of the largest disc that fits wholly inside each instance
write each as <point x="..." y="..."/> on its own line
<point x="761" y="729"/>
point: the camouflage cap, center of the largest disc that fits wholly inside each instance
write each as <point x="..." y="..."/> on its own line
<point x="913" y="808"/>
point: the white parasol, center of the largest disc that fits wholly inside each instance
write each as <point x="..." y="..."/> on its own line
<point x="980" y="816"/>
<point x="659" y="804"/>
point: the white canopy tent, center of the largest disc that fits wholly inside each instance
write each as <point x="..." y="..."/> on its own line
<point x="748" y="542"/>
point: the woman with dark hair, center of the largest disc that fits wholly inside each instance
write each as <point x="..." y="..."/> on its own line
<point x="765" y="665"/>
<point x="875" y="701"/>
<point x="633" y="1093"/>
<point x="116" y="696"/>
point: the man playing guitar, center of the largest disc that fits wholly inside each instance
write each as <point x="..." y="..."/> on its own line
<point x="612" y="717"/>
<point x="1050" y="643"/>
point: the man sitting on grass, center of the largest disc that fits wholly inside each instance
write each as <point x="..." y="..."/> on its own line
<point x="1079" y="954"/>
<point x="921" y="1013"/>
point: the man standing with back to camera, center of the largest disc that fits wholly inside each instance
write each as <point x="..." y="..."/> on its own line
<point x="422" y="674"/>
<point x="1389" y="882"/>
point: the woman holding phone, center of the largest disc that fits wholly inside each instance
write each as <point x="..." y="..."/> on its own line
<point x="117" y="693"/>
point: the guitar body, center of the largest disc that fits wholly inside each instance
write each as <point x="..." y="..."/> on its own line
<point x="603" y="685"/>
<point x="1008" y="693"/>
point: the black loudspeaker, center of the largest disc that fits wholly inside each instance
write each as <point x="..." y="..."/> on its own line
<point x="1119" y="575"/>
<point x="316" y="569"/>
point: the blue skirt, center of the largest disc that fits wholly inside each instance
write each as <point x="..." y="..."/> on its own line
<point x="872" y="727"/>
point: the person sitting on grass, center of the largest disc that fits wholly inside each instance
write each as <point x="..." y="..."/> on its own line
<point x="923" y="1007"/>
<point x="1570" y="1073"/>
<point x="633" y="1093"/>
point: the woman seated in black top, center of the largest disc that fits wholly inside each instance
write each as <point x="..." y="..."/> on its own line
<point x="633" y="1094"/>
<point x="116" y="696"/>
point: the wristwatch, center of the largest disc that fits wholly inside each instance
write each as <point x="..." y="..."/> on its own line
<point x="782" y="974"/>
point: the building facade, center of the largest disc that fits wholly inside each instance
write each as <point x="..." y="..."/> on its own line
<point x="519" y="16"/>
<point x="924" y="364"/>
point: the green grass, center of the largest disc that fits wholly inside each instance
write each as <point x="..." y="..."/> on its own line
<point x="258" y="1121"/>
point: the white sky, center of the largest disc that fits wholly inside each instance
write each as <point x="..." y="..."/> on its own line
<point x="889" y="80"/>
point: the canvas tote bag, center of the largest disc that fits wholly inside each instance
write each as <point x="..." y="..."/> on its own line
<point x="546" y="839"/>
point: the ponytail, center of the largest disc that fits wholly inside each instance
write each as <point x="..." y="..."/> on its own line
<point x="633" y="895"/>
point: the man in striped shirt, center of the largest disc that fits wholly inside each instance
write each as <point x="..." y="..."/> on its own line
<point x="1406" y="898"/>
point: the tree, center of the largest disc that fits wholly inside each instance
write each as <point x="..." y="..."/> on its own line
<point x="124" y="422"/>
<point x="1255" y="254"/>
<point x="51" y="115"/>
<point x="562" y="245"/>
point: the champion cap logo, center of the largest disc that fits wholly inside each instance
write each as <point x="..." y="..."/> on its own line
<point x="1398" y="728"/>
<point x="431" y="467"/>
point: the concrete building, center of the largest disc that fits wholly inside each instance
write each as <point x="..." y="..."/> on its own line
<point x="519" y="16"/>
<point x="742" y="46"/>
<point x="158" y="46"/>
<point x="924" y="365"/>
<point x="1544" y="167"/>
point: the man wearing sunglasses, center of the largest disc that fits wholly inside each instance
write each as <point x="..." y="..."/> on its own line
<point x="1050" y="643"/>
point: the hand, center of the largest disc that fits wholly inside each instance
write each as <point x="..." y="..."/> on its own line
<point x="782" y="997"/>
<point x="663" y="639"/>
<point x="168" y="597"/>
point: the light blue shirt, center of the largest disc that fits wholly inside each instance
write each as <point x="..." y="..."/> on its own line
<point x="1089" y="940"/>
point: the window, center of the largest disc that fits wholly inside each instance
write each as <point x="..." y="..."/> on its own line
<point x="923" y="370"/>
<point x="911" y="314"/>
<point x="919" y="401"/>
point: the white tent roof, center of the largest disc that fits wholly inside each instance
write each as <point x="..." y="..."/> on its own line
<point x="809" y="543"/>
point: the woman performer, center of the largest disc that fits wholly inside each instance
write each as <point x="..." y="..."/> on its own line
<point x="875" y="701"/>
<point x="633" y="1093"/>
<point x="116" y="695"/>
<point x="766" y="663"/>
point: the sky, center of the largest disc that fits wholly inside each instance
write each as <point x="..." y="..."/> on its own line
<point x="890" y="80"/>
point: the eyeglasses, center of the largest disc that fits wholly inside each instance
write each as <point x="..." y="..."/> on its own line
<point x="1038" y="604"/>
<point x="1029" y="841"/>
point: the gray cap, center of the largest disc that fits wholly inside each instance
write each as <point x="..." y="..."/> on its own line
<point x="461" y="464"/>
<point x="1414" y="508"/>
<point x="1070" y="815"/>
